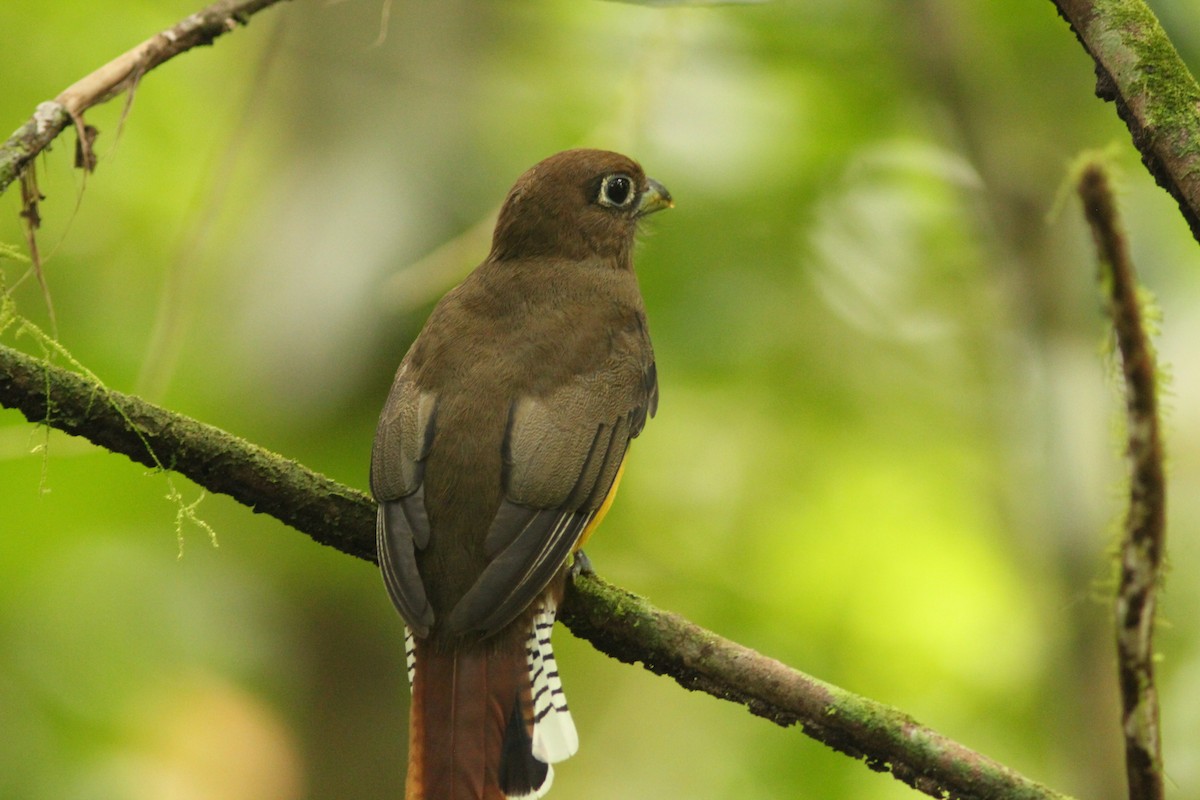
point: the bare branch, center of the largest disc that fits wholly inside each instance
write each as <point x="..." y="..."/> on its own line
<point x="1138" y="69"/>
<point x="1144" y="537"/>
<point x="118" y="75"/>
<point x="616" y="622"/>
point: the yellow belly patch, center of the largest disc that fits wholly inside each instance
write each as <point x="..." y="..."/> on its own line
<point x="603" y="509"/>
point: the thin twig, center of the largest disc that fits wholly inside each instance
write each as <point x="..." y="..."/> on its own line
<point x="31" y="219"/>
<point x="1143" y="541"/>
<point x="1138" y="69"/>
<point x="118" y="75"/>
<point x="172" y="315"/>
<point x="616" y="622"/>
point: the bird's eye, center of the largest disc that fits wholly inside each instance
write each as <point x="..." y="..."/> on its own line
<point x="616" y="191"/>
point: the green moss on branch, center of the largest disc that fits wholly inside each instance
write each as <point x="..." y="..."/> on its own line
<point x="1139" y="70"/>
<point x="628" y="628"/>
<point x="330" y="513"/>
<point x="614" y="621"/>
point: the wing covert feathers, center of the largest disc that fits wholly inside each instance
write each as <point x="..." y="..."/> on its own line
<point x="551" y="494"/>
<point x="402" y="440"/>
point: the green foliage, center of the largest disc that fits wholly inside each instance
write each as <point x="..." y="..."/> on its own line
<point x="882" y="453"/>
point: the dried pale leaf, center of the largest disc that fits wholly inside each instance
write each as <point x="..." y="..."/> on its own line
<point x="85" y="153"/>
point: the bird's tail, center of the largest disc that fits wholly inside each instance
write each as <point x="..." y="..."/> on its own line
<point x="487" y="721"/>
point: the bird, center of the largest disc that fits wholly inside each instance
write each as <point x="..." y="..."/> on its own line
<point x="498" y="451"/>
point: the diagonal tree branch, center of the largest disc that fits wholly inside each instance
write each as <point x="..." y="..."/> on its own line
<point x="1138" y="69"/>
<point x="629" y="629"/>
<point x="121" y="74"/>
<point x="1144" y="541"/>
<point x="614" y="621"/>
<point x="329" y="512"/>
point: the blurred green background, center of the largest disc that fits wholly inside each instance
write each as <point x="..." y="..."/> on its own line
<point x="888" y="449"/>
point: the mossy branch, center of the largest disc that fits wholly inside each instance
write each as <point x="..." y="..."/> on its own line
<point x="330" y="513"/>
<point x="886" y="739"/>
<point x="614" y="621"/>
<point x="121" y="74"/>
<point x="1144" y="539"/>
<point x="1138" y="69"/>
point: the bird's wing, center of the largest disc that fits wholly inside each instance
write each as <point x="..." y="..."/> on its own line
<point x="402" y="442"/>
<point x="562" y="452"/>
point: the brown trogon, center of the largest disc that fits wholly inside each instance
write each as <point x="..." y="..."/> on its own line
<point x="498" y="451"/>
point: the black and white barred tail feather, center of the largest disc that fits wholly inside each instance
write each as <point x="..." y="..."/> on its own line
<point x="554" y="737"/>
<point x="541" y="731"/>
<point x="410" y="655"/>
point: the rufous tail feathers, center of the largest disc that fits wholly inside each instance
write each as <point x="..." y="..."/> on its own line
<point x="487" y="721"/>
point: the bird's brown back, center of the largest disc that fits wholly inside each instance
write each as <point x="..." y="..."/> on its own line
<point x="512" y="329"/>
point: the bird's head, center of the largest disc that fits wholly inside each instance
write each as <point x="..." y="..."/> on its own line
<point x="577" y="205"/>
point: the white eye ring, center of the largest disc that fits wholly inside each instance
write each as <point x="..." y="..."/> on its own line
<point x="617" y="191"/>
